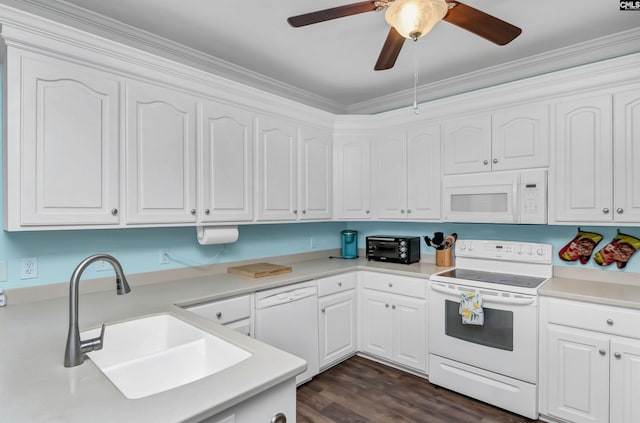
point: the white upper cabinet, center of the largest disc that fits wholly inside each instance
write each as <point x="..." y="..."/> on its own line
<point x="160" y="155"/>
<point x="352" y="176"/>
<point x="64" y="148"/>
<point x="316" y="159"/>
<point x="626" y="156"/>
<point x="407" y="174"/>
<point x="277" y="167"/>
<point x="226" y="164"/>
<point x="581" y="185"/>
<point x="513" y="138"/>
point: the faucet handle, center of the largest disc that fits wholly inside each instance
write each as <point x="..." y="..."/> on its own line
<point x="93" y="344"/>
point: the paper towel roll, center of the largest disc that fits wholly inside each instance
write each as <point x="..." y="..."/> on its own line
<point x="208" y="235"/>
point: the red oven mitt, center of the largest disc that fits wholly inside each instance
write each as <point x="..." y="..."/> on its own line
<point x="581" y="247"/>
<point x="620" y="250"/>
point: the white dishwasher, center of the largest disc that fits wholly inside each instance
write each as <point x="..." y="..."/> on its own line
<point x="287" y="318"/>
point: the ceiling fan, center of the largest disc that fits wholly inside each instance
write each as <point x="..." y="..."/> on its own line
<point x="413" y="19"/>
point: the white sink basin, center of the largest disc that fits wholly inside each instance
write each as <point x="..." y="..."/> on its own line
<point x="146" y="356"/>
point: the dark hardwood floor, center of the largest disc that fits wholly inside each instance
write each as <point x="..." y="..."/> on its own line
<point x="363" y="391"/>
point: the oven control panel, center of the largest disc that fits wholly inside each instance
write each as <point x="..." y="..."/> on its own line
<point x="505" y="250"/>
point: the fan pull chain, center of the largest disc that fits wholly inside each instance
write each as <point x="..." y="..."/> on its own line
<point x="415" y="82"/>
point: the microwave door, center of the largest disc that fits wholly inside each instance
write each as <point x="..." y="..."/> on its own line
<point x="495" y="203"/>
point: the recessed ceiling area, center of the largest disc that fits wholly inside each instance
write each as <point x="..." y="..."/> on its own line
<point x="329" y="65"/>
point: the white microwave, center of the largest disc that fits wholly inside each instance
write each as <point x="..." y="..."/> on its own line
<point x="496" y="197"/>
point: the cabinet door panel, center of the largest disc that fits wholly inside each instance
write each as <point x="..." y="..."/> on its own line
<point x="520" y="137"/>
<point x="226" y="164"/>
<point x="70" y="145"/>
<point x="315" y="174"/>
<point x="161" y="169"/>
<point x="627" y="156"/>
<point x="625" y="381"/>
<point x="578" y="375"/>
<point x="353" y="186"/>
<point x="277" y="170"/>
<point x="467" y="145"/>
<point x="391" y="175"/>
<point x="337" y="326"/>
<point x="409" y="332"/>
<point x="376" y="324"/>
<point x="583" y="163"/>
<point x="424" y="177"/>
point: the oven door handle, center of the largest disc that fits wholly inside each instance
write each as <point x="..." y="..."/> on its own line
<point x="488" y="299"/>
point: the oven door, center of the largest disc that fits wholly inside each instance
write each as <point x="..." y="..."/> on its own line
<point x="505" y="344"/>
<point x="383" y="250"/>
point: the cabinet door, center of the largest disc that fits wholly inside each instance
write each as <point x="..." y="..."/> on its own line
<point x="226" y="164"/>
<point x="578" y="375"/>
<point x="160" y="155"/>
<point x="390" y="175"/>
<point x="337" y="318"/>
<point x="315" y="174"/>
<point x="352" y="177"/>
<point x="520" y="137"/>
<point x="69" y="146"/>
<point x="376" y="324"/>
<point x="582" y="181"/>
<point x="625" y="381"/>
<point x="276" y="181"/>
<point x="424" y="177"/>
<point x="626" y="148"/>
<point x="467" y="145"/>
<point x="409" y="332"/>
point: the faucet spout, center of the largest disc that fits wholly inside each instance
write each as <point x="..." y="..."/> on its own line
<point x="76" y="348"/>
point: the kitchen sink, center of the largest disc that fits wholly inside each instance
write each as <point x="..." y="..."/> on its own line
<point x="153" y="354"/>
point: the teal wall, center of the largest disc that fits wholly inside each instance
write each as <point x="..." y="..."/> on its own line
<point x="58" y="252"/>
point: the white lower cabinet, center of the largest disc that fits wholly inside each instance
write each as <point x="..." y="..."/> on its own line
<point x="393" y="324"/>
<point x="590" y="362"/>
<point x="337" y="318"/>
<point x="234" y="313"/>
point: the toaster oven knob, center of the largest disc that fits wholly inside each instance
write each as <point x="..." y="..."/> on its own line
<point x="403" y="249"/>
<point x="403" y="243"/>
<point x="403" y="255"/>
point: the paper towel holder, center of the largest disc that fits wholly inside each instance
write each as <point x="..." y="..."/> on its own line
<point x="209" y="235"/>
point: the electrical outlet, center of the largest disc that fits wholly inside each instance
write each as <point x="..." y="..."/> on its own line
<point x="312" y="243"/>
<point x="164" y="256"/>
<point x="103" y="266"/>
<point x="29" y="268"/>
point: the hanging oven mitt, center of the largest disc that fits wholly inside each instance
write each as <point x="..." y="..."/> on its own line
<point x="471" y="308"/>
<point x="581" y="247"/>
<point x="620" y="250"/>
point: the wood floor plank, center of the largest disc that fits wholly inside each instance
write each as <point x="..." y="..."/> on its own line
<point x="364" y="391"/>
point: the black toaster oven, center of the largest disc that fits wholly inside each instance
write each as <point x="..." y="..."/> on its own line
<point x="393" y="249"/>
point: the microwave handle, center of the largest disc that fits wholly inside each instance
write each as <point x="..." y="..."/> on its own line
<point x="498" y="300"/>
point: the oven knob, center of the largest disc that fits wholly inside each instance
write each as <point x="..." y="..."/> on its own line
<point x="403" y="255"/>
<point x="403" y="249"/>
<point x="540" y="251"/>
<point x="462" y="246"/>
<point x="520" y="249"/>
<point x="403" y="243"/>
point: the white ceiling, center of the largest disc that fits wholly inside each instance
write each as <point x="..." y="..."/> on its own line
<point x="330" y="65"/>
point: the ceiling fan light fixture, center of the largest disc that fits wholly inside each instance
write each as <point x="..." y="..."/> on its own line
<point x="414" y="18"/>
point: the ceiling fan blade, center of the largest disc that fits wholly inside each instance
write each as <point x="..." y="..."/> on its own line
<point x="333" y="13"/>
<point x="390" y="50"/>
<point x="482" y="24"/>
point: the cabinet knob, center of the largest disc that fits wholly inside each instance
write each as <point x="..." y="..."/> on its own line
<point x="602" y="351"/>
<point x="617" y="355"/>
<point x="193" y="211"/>
<point x="401" y="211"/>
<point x="366" y="211"/>
<point x="323" y="309"/>
<point x="610" y="322"/>
<point x="278" y="418"/>
<point x="304" y="212"/>
<point x="486" y="162"/>
<point x="386" y="305"/>
<point x="114" y="212"/>
<point x="295" y="212"/>
<point x="495" y="160"/>
<point x="619" y="210"/>
<point x="605" y="210"/>
<point x="408" y="211"/>
<point x="393" y="307"/>
<point x="219" y="315"/>
<point x="390" y="284"/>
<point x="207" y="211"/>
<point x="339" y="283"/>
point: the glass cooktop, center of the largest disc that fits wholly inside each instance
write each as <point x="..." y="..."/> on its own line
<point x="492" y="277"/>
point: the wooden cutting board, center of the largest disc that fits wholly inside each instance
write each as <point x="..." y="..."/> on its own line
<point x="259" y="270"/>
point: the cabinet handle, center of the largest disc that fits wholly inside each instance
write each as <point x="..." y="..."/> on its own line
<point x="207" y="211"/>
<point x="393" y="307"/>
<point x="605" y="210"/>
<point x="386" y="305"/>
<point x="304" y="212"/>
<point x="486" y="162"/>
<point x="366" y="211"/>
<point x="401" y="211"/>
<point x="620" y="210"/>
<point x="339" y="283"/>
<point x="602" y="351"/>
<point x="495" y="160"/>
<point x="219" y="315"/>
<point x="295" y="212"/>
<point x="390" y="284"/>
<point x="617" y="355"/>
<point x="610" y="322"/>
<point x="408" y="211"/>
<point x="114" y="212"/>
<point x="323" y="309"/>
<point x="278" y="418"/>
<point x="193" y="211"/>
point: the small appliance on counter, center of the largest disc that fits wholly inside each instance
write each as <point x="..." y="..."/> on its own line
<point x="393" y="249"/>
<point x="349" y="244"/>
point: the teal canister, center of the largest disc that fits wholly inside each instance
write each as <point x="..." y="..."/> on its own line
<point x="349" y="244"/>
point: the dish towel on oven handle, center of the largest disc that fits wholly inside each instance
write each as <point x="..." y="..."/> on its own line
<point x="471" y="308"/>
